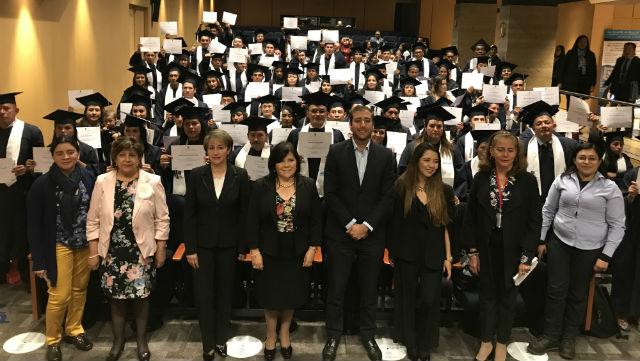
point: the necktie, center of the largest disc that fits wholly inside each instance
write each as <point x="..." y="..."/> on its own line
<point x="356" y="79"/>
<point x="238" y="82"/>
<point x="623" y="73"/>
<point x="154" y="75"/>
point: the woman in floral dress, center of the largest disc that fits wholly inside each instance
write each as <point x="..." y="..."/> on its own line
<point x="128" y="225"/>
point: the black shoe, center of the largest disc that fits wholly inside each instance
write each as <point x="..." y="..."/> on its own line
<point x="269" y="355"/>
<point x="373" y="351"/>
<point x="286" y="352"/>
<point x="542" y="346"/>
<point x="144" y="356"/>
<point x="221" y="350"/>
<point x="81" y="342"/>
<point x="53" y="352"/>
<point x="412" y="354"/>
<point x="209" y="356"/>
<point x="568" y="348"/>
<point x="330" y="349"/>
<point x="115" y="356"/>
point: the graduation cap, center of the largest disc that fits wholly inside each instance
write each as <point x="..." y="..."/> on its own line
<point x="193" y="112"/>
<point x="271" y="41"/>
<point x="235" y="107"/>
<point x="279" y="64"/>
<point x="452" y="49"/>
<point x="137" y="98"/>
<point x="295" y="107"/>
<point x="175" y="105"/>
<point x="422" y="46"/>
<point x="357" y="99"/>
<point x="504" y="65"/>
<point x="480" y="42"/>
<point x="381" y="122"/>
<point x="63" y="117"/>
<point x="458" y="92"/>
<point x="254" y="68"/>
<point x="139" y="69"/>
<point x="434" y="111"/>
<point x="392" y="102"/>
<point x="386" y="47"/>
<point x="94" y="99"/>
<point x="190" y="76"/>
<point x="610" y="137"/>
<point x="185" y="54"/>
<point x="407" y="80"/>
<point x="206" y="32"/>
<point x="415" y="63"/>
<point x="373" y="71"/>
<point x="259" y="31"/>
<point x="529" y="113"/>
<point x="228" y="94"/>
<point x="217" y="55"/>
<point x="256" y="124"/>
<point x="290" y="70"/>
<point x="446" y="63"/>
<point x="434" y="53"/>
<point x="482" y="59"/>
<point x="443" y="101"/>
<point x="9" y="98"/>
<point x="477" y="110"/>
<point x="213" y="73"/>
<point x="318" y="98"/>
<point x="311" y="65"/>
<point x="357" y="50"/>
<point x="482" y="136"/>
<point x="338" y="102"/>
<point x="267" y="99"/>
<point x="326" y="78"/>
<point x="133" y="121"/>
<point x="138" y="90"/>
<point x="515" y="77"/>
<point x="174" y="65"/>
<point x="184" y="43"/>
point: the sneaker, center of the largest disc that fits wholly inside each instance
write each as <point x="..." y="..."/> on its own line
<point x="568" y="348"/>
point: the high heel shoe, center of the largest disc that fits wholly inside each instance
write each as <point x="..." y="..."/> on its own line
<point x="221" y="350"/>
<point x="115" y="356"/>
<point x="286" y="352"/>
<point x="269" y="355"/>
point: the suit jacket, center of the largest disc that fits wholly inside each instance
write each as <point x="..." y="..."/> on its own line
<point x="570" y="73"/>
<point x="215" y="222"/>
<point x="150" y="213"/>
<point x="347" y="199"/>
<point x="521" y="220"/>
<point x="262" y="220"/>
<point x="622" y="90"/>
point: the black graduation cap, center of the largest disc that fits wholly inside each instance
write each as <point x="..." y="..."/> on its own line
<point x="458" y="92"/>
<point x="63" y="117"/>
<point x="409" y="80"/>
<point x="477" y="110"/>
<point x="94" y="99"/>
<point x="271" y="41"/>
<point x="139" y="69"/>
<point x="480" y="42"/>
<point x="190" y="76"/>
<point x="311" y="65"/>
<point x="185" y="54"/>
<point x="137" y="98"/>
<point x="338" y="102"/>
<point x="381" y="122"/>
<point x="177" y="104"/>
<point x="174" y="65"/>
<point x="515" y="77"/>
<point x="434" y="53"/>
<point x="256" y="124"/>
<point x="213" y="73"/>
<point x="253" y="68"/>
<point x="9" y="98"/>
<point x="452" y="49"/>
<point x="193" y="112"/>
<point x="443" y="101"/>
<point x="610" y="137"/>
<point x="434" y="111"/>
<point x="290" y="70"/>
<point x="392" y="102"/>
<point x="138" y="90"/>
<point x="482" y="135"/>
<point x="318" y="98"/>
<point x="206" y="32"/>
<point x="228" y="93"/>
<point x="504" y="65"/>
<point x="386" y="47"/>
<point x="422" y="46"/>
<point x="259" y="31"/>
<point x="267" y="99"/>
<point x="529" y="113"/>
<point x="217" y="55"/>
<point x="373" y="71"/>
<point x="482" y="59"/>
<point x="446" y="63"/>
<point x="416" y="63"/>
<point x="279" y="64"/>
<point x="184" y="43"/>
<point x="326" y="78"/>
<point x="133" y="121"/>
<point x="357" y="50"/>
<point x="357" y="99"/>
<point x="235" y="107"/>
<point x="379" y="66"/>
<point x="295" y="107"/>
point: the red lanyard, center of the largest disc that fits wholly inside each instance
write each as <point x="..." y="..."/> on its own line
<point x="499" y="192"/>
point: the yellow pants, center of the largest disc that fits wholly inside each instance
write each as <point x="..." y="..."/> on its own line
<point x="69" y="294"/>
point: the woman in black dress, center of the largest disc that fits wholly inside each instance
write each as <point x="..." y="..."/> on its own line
<point x="421" y="249"/>
<point x="283" y="230"/>
<point x="579" y="69"/>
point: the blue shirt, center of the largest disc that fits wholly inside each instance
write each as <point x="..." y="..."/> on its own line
<point x="589" y="218"/>
<point x="78" y="238"/>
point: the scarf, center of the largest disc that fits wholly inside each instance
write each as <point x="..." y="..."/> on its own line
<point x="475" y="166"/>
<point x="533" y="162"/>
<point x="14" y="142"/>
<point x="232" y="80"/>
<point x="71" y="197"/>
<point x="332" y="64"/>
<point x="169" y="95"/>
<point x="446" y="171"/>
<point x="469" y="148"/>
<point x="582" y="61"/>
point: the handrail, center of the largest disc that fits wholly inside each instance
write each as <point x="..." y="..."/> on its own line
<point x="580" y="95"/>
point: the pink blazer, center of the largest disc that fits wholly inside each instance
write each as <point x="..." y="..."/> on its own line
<point x="150" y="213"/>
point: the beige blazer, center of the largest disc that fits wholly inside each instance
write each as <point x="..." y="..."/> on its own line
<point x="150" y="213"/>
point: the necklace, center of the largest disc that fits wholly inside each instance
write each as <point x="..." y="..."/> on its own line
<point x="420" y="189"/>
<point x="280" y="185"/>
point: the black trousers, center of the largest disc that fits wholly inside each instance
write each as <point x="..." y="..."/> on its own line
<point x="570" y="270"/>
<point x="497" y="295"/>
<point x="625" y="286"/>
<point x="367" y="256"/>
<point x="13" y="223"/>
<point x="213" y="284"/>
<point x="417" y="301"/>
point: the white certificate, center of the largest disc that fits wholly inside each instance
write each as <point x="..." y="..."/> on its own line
<point x="90" y="135"/>
<point x="489" y="70"/>
<point x="220" y="115"/>
<point x="229" y="18"/>
<point x="396" y="141"/>
<point x="209" y="16"/>
<point x="298" y="42"/>
<point x="475" y="80"/>
<point x="457" y="112"/>
<point x="578" y="111"/>
<point x="616" y="117"/>
<point x="526" y="97"/>
<point x="237" y="55"/>
<point x="314" y="144"/>
<point x="415" y="102"/>
<point x="169" y="139"/>
<point x="290" y="23"/>
<point x="406" y="117"/>
<point x="391" y="68"/>
<point x="168" y="28"/>
<point x="314" y="35"/>
<point x="256" y="90"/>
<point x="42" y="157"/>
<point x="255" y="48"/>
<point x="494" y="93"/>
<point x="150" y="44"/>
<point x="343" y="127"/>
<point x="219" y="48"/>
<point x="187" y="157"/>
<point x="126" y="108"/>
<point x="374" y="96"/>
<point x="256" y="167"/>
<point x="75" y="94"/>
<point x="340" y="76"/>
<point x="564" y="126"/>
<point x="267" y="61"/>
<point x="212" y="99"/>
<point x="313" y="86"/>
<point x="487" y="126"/>
<point x="6" y="175"/>
<point x="422" y="90"/>
<point x="237" y="131"/>
<point x="279" y="135"/>
<point x="550" y="94"/>
<point x="172" y="46"/>
<point x="291" y="94"/>
<point x="330" y="36"/>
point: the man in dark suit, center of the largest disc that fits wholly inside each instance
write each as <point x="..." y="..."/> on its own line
<point x="625" y="75"/>
<point x="17" y="140"/>
<point x="359" y="176"/>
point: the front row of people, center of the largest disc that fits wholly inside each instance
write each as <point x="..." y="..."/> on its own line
<point x="119" y="223"/>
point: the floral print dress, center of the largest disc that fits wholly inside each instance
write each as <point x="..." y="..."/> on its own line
<point x="125" y="273"/>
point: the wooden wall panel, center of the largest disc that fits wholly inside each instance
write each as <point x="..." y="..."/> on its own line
<point x="318" y="7"/>
<point x="379" y="15"/>
<point x="350" y="9"/>
<point x="255" y="12"/>
<point x="285" y="7"/>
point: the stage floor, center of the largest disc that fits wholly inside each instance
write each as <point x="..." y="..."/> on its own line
<point x="179" y="339"/>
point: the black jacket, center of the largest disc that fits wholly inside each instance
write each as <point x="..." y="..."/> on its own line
<point x="570" y="71"/>
<point x="622" y="89"/>
<point x="262" y="220"/>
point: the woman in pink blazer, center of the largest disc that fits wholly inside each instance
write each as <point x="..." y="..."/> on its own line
<point x="127" y="229"/>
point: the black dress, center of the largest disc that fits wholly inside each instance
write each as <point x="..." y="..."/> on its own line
<point x="283" y="283"/>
